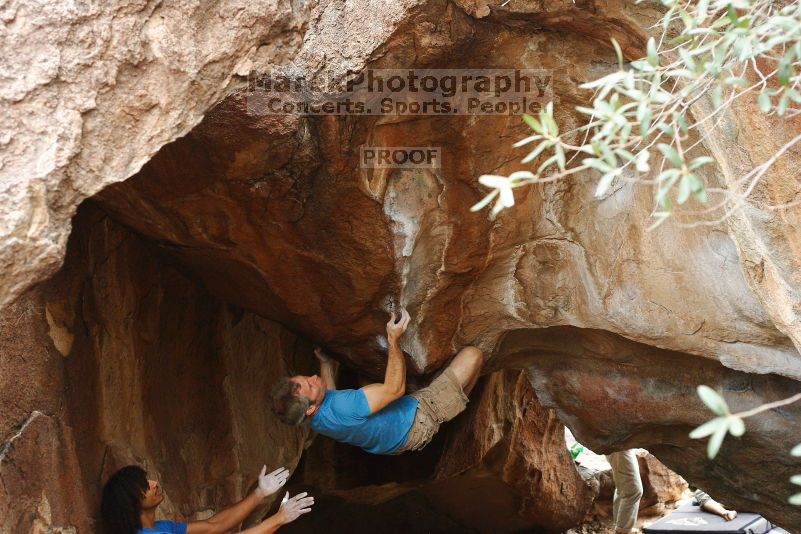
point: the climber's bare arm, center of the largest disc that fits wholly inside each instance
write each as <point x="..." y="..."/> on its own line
<point x="380" y="395"/>
<point x="328" y="368"/>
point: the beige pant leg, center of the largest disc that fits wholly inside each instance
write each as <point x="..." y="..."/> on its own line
<point x="628" y="488"/>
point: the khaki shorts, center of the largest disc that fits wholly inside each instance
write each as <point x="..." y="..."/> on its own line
<point x="441" y="401"/>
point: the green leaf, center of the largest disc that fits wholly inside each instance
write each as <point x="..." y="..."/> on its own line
<point x="519" y="177"/>
<point x="618" y="52"/>
<point x="560" y="156"/>
<point x="536" y="152"/>
<point x="670" y="154"/>
<point x="644" y="118"/>
<point x="604" y="183"/>
<point x="680" y="39"/>
<point x="713" y="400"/>
<point x="736" y="426"/>
<point x="795" y="500"/>
<point x="641" y="65"/>
<point x="713" y="446"/>
<point x="679" y="118"/>
<point x="667" y="129"/>
<point x="484" y="201"/>
<point x="695" y="182"/>
<point x="662" y="97"/>
<point x="609" y="79"/>
<point x="696" y="185"/>
<point x="788" y="24"/>
<point x="550" y="161"/>
<point x="660" y="216"/>
<point x="784" y="71"/>
<point x="743" y="49"/>
<point x="796" y="479"/>
<point x="625" y="132"/>
<point x="689" y="20"/>
<point x="684" y="190"/>
<point x="764" y="102"/>
<point x="700" y="161"/>
<point x="526" y="141"/>
<point x="669" y="174"/>
<point x="625" y="154"/>
<point x="549" y="123"/>
<point x="653" y="57"/>
<point x="597" y="164"/>
<point x="732" y="13"/>
<point x="701" y="10"/>
<point x="700" y="196"/>
<point x="662" y="199"/>
<point x="717" y="96"/>
<point x="667" y="17"/>
<point x="608" y="155"/>
<point x="796" y="450"/>
<point x="687" y="58"/>
<point x="680" y="73"/>
<point x="734" y="80"/>
<point x="642" y="161"/>
<point x="712" y="68"/>
<point x="533" y="123"/>
<point x="794" y="95"/>
<point x="707" y="429"/>
<point x="782" y="106"/>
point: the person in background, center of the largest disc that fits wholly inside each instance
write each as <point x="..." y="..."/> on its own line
<point x="130" y="500"/>
<point x="711" y="505"/>
<point x="628" y="490"/>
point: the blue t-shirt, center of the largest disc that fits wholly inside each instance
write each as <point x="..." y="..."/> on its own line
<point x="165" y="527"/>
<point x="344" y="415"/>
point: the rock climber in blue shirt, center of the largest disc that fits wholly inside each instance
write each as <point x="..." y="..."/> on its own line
<point x="380" y="418"/>
<point x="130" y="500"/>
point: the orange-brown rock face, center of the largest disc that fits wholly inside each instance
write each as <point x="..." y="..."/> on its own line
<point x="508" y="435"/>
<point x="275" y="214"/>
<point x="129" y="360"/>
<point x="660" y="484"/>
<point x="154" y="371"/>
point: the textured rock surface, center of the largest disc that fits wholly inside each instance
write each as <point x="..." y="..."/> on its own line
<point x="163" y="90"/>
<point x="263" y="198"/>
<point x="765" y="227"/>
<point x="159" y="373"/>
<point x="660" y="484"/>
<point x="511" y="437"/>
<point x="156" y="371"/>
<point x="38" y="464"/>
<point x="266" y="199"/>
<point x="93" y="90"/>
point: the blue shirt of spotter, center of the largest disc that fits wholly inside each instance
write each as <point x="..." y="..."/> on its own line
<point x="344" y="415"/>
<point x="164" y="527"/>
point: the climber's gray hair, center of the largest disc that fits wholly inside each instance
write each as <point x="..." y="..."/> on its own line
<point x="287" y="404"/>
